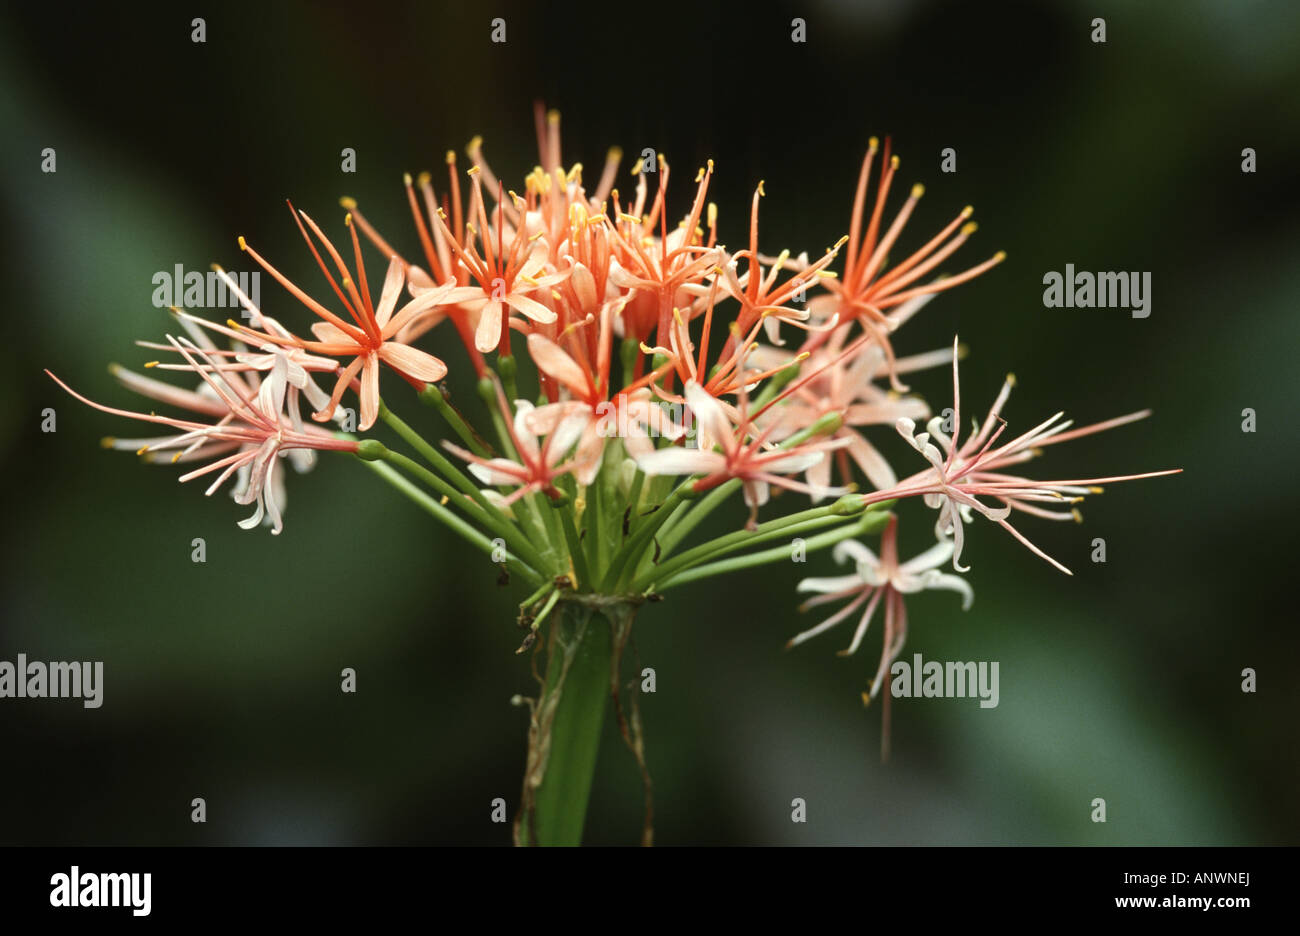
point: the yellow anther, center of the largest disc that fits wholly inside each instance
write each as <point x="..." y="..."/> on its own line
<point x="999" y="256"/>
<point x="242" y="244"/>
<point x="177" y="457"/>
<point x="349" y="203"/>
<point x="760" y="188"/>
<point x="473" y="170"/>
<point x="142" y="449"/>
<point x="451" y="157"/>
<point x="918" y="190"/>
<point x="552" y="116"/>
<point x="969" y="228"/>
<point x="423" y="179"/>
<point x="968" y="211"/>
<point x="108" y="441"/>
<point x="893" y="163"/>
<point x="1011" y="379"/>
<point x="713" y="215"/>
<point x="615" y="154"/>
<point x="149" y="364"/>
<point x="1097" y="490"/>
<point x="873" y="144"/>
<point x="474" y="145"/>
<point x="1078" y="516"/>
<point x="406" y="179"/>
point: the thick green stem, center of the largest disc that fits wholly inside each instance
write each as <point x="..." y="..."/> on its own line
<point x="564" y="735"/>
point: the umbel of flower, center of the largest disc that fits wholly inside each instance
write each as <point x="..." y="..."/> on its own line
<point x="574" y="304"/>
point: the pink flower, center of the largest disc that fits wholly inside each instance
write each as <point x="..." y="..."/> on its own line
<point x="248" y="434"/>
<point x="505" y="273"/>
<point x="539" y="461"/>
<point x="960" y="473"/>
<point x="868" y="289"/>
<point x="759" y="295"/>
<point x="744" y="454"/>
<point x="843" y="383"/>
<point x="371" y="337"/>
<point x="876" y="580"/>
<point x="632" y="413"/>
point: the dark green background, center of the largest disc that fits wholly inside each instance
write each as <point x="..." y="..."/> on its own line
<point x="222" y="679"/>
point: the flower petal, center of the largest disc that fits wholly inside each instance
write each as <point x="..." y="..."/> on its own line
<point x="413" y="362"/>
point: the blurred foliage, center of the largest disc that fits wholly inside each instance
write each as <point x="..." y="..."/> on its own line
<point x="222" y="678"/>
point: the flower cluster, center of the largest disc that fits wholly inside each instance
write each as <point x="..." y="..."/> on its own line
<point x="729" y="370"/>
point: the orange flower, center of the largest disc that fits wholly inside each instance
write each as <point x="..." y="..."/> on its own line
<point x="371" y="334"/>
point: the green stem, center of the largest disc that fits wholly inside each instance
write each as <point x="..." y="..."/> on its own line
<point x="495" y="522"/>
<point x="430" y="454"/>
<point x="564" y="737"/>
<point x="434" y="397"/>
<point x="575" y="548"/>
<point x="782" y="526"/>
<point x="679" y="530"/>
<point x="450" y="519"/>
<point x="871" y="522"/>
<point x="635" y="544"/>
